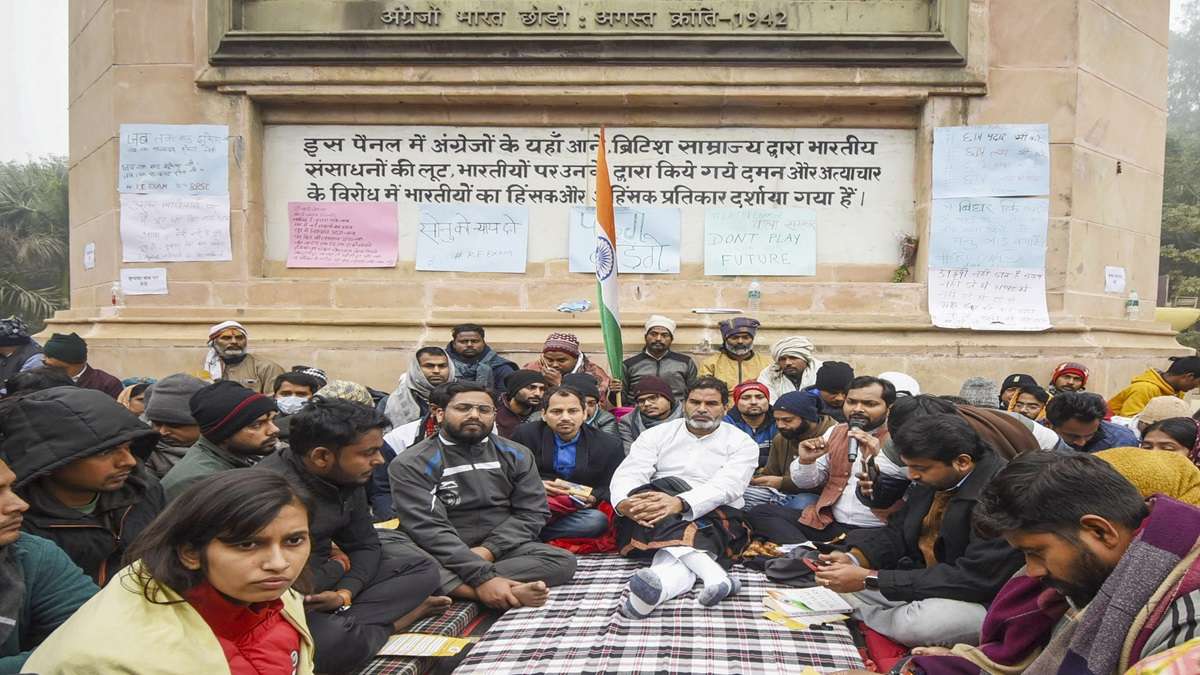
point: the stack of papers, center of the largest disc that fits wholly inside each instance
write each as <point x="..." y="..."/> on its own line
<point x="799" y="608"/>
<point x="419" y="644"/>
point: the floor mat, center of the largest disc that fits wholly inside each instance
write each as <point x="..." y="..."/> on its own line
<point x="454" y="621"/>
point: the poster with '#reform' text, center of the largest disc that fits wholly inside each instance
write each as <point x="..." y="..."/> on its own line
<point x="472" y="238"/>
<point x="174" y="228"/>
<point x="342" y="234"/>
<point x="647" y="240"/>
<point x="182" y="159"/>
<point x="1003" y="160"/>
<point x="764" y="242"/>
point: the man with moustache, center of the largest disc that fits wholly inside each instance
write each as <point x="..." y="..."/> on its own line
<point x="357" y="597"/>
<point x="76" y="455"/>
<point x="229" y="358"/>
<point x="475" y="360"/>
<point x="521" y="401"/>
<point x="237" y="429"/>
<point x="798" y="418"/>
<point x="737" y="361"/>
<point x="42" y="587"/>
<point x="168" y="411"/>
<point x="474" y="503"/>
<point x="752" y="413"/>
<point x="825" y="463"/>
<point x="679" y="495"/>
<point x="658" y="360"/>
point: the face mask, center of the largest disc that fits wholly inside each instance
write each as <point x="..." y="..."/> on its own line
<point x="290" y="405"/>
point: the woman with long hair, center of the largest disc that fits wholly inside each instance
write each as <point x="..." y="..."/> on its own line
<point x="207" y="589"/>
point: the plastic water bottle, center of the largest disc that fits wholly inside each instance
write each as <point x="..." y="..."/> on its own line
<point x="118" y="295"/>
<point x="753" y="296"/>
<point x="1133" y="306"/>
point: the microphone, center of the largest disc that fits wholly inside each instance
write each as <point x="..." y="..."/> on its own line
<point x="853" y="451"/>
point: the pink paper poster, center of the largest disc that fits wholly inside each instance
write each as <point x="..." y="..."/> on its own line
<point x="342" y="234"/>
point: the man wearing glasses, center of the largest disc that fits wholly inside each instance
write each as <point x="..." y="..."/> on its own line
<point x="474" y="502"/>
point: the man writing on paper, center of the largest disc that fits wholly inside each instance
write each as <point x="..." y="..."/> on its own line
<point x="229" y="359"/>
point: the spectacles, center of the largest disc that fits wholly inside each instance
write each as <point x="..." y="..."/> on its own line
<point x="465" y="408"/>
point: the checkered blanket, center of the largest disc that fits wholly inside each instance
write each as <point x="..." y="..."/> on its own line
<point x="580" y="631"/>
<point x="452" y="622"/>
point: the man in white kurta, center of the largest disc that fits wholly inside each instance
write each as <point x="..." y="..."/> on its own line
<point x="678" y="495"/>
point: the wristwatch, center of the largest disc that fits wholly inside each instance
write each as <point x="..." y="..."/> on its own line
<point x="871" y="583"/>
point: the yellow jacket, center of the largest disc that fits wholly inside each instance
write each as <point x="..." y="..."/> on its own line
<point x="1132" y="399"/>
<point x="120" y="631"/>
<point x="731" y="372"/>
<point x="1157" y="471"/>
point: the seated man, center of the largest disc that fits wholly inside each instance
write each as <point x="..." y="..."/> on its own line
<point x="1030" y="401"/>
<point x="655" y="405"/>
<point x="229" y="358"/>
<point x="927" y="577"/>
<point x="1182" y="376"/>
<point x="797" y="418"/>
<point x="794" y="368"/>
<point x="169" y="413"/>
<point x="1078" y="419"/>
<point x="561" y="355"/>
<point x="595" y="416"/>
<point x="1068" y="376"/>
<point x="565" y="448"/>
<point x="737" y="361"/>
<point x="358" y="597"/>
<point x="829" y="393"/>
<point x="429" y="367"/>
<point x="474" y="503"/>
<point x="521" y="400"/>
<point x="1091" y="541"/>
<point x="70" y="353"/>
<point x="1011" y="385"/>
<point x="825" y="462"/>
<point x="659" y="361"/>
<point x="19" y="352"/>
<point x="678" y="495"/>
<point x="42" y="587"/>
<point x="236" y="431"/>
<point x="752" y="414"/>
<point x="474" y="360"/>
<point x="75" y="452"/>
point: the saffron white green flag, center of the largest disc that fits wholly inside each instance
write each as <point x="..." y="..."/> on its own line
<point x="606" y="264"/>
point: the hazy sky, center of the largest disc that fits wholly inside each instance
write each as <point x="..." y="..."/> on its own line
<point x="33" y="75"/>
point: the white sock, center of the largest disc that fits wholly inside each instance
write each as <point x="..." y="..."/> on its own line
<point x="704" y="567"/>
<point x="665" y="579"/>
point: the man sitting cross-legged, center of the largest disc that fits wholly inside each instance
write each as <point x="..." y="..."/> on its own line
<point x="474" y="502"/>
<point x="679" y="494"/>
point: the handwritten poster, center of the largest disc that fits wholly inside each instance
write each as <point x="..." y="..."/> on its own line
<point x="174" y="228"/>
<point x="144" y="281"/>
<point x="647" y="240"/>
<point x="472" y="238"/>
<point x="1006" y="160"/>
<point x="764" y="242"/>
<point x="989" y="232"/>
<point x="189" y="159"/>
<point x="341" y="234"/>
<point x="89" y="255"/>
<point x="988" y="299"/>
<point x="1114" y="279"/>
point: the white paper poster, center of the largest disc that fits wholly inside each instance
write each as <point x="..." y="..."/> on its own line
<point x="188" y="159"/>
<point x="144" y="281"/>
<point x="761" y="242"/>
<point x="89" y="255"/>
<point x="988" y="232"/>
<point x="1004" y="160"/>
<point x="1114" y="279"/>
<point x="472" y="238"/>
<point x="174" y="228"/>
<point x="988" y="299"/>
<point x="647" y="240"/>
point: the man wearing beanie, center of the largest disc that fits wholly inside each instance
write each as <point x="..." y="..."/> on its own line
<point x="597" y="417"/>
<point x="75" y="453"/>
<point x="69" y="353"/>
<point x="1068" y="376"/>
<point x="1011" y="385"/>
<point x="658" y="360"/>
<point x="798" y="418"/>
<point x="18" y="351"/>
<point x="751" y="413"/>
<point x="229" y="358"/>
<point x="655" y="404"/>
<point x="170" y="414"/>
<point x="236" y="431"/>
<point x="523" y="394"/>
<point x="737" y="361"/>
<point x="562" y="355"/>
<point x="829" y="392"/>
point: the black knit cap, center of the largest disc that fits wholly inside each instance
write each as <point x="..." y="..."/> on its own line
<point x="1018" y="380"/>
<point x="224" y="408"/>
<point x="834" y="376"/>
<point x="583" y="383"/>
<point x="519" y="379"/>
<point x="66" y="347"/>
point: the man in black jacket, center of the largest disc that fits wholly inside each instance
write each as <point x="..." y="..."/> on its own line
<point x="565" y="448"/>
<point x="78" y="455"/>
<point x="927" y="577"/>
<point x="359" y="597"/>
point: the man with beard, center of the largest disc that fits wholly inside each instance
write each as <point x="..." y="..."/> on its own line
<point x="169" y="413"/>
<point x="1090" y="543"/>
<point x="474" y="360"/>
<point x="798" y="419"/>
<point x="928" y="576"/>
<point x="520" y="402"/>
<point x="737" y="361"/>
<point x="236" y="431"/>
<point x="566" y="449"/>
<point x="1078" y="419"/>
<point x="826" y="463"/>
<point x="657" y="360"/>
<point x="1068" y="376"/>
<point x="752" y="414"/>
<point x="69" y="353"/>
<point x="357" y="598"/>
<point x="229" y="359"/>
<point x="475" y="504"/>
<point x="794" y="368"/>
<point x="430" y="367"/>
<point x="678" y="496"/>
<point x="562" y="356"/>
<point x="75" y="452"/>
<point x="655" y="405"/>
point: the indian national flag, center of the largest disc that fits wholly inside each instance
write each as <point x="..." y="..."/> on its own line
<point x="606" y="263"/>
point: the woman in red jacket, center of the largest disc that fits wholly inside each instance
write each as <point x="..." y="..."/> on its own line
<point x="209" y="590"/>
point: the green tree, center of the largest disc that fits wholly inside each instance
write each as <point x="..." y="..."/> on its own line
<point x="34" y="227"/>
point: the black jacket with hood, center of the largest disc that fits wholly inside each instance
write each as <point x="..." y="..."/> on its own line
<point x="49" y="429"/>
